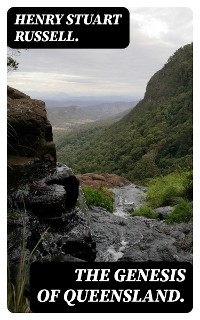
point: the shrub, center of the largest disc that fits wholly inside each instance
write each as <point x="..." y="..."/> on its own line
<point x="100" y="197"/>
<point x="181" y="213"/>
<point x="188" y="184"/>
<point x="145" y="211"/>
<point x="16" y="300"/>
<point x="165" y="190"/>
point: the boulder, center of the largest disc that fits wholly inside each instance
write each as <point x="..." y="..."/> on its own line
<point x="163" y="211"/>
<point x="29" y="131"/>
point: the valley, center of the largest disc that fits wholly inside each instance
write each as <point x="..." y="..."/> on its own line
<point x="153" y="139"/>
<point x="114" y="182"/>
<point x="67" y="117"/>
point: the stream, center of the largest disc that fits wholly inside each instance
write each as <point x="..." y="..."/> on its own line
<point x="122" y="237"/>
<point x="127" y="199"/>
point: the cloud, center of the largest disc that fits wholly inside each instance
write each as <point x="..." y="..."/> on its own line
<point x="155" y="34"/>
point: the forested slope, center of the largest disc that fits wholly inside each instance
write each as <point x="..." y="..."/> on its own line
<point x="153" y="138"/>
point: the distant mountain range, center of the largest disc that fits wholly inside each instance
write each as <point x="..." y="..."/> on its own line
<point x="63" y="100"/>
<point x="64" y="116"/>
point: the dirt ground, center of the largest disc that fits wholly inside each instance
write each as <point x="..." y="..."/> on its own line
<point x="102" y="180"/>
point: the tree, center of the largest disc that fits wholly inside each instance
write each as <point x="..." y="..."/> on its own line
<point x="12" y="63"/>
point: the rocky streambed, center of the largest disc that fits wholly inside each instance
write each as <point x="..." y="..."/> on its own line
<point x="120" y="237"/>
<point x="90" y="234"/>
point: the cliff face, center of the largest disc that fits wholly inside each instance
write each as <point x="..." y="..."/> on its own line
<point x="42" y="194"/>
<point x="29" y="131"/>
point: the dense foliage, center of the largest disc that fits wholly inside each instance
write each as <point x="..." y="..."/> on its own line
<point x="169" y="189"/>
<point x="154" y="138"/>
<point x="181" y="213"/>
<point x="174" y="189"/>
<point x="99" y="197"/>
<point x="145" y="211"/>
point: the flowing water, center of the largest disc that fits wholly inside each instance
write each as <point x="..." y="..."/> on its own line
<point x="127" y="199"/>
<point x="122" y="237"/>
<point x="113" y="226"/>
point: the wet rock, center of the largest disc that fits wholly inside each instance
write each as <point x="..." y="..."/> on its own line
<point x="50" y="237"/>
<point x="48" y="205"/>
<point x="48" y="201"/>
<point x="142" y="239"/>
<point x="65" y="177"/>
<point x="47" y="196"/>
<point x="163" y="212"/>
<point x="127" y="199"/>
<point x="79" y="242"/>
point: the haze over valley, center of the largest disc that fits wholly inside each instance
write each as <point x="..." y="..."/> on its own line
<point x="67" y="117"/>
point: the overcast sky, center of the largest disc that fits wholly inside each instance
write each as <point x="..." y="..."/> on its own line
<point x="155" y="34"/>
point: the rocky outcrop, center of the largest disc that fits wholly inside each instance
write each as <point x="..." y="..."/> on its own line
<point x="29" y="131"/>
<point x="46" y="195"/>
<point x="42" y="194"/>
<point x="43" y="213"/>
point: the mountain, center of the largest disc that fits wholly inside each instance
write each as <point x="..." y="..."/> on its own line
<point x="70" y="116"/>
<point x="63" y="100"/>
<point x="154" y="138"/>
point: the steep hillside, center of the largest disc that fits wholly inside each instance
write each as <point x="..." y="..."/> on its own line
<point x="154" y="138"/>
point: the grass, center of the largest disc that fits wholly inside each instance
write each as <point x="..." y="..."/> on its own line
<point x="174" y="189"/>
<point x="169" y="189"/>
<point x="16" y="300"/>
<point x="181" y="213"/>
<point x="145" y="211"/>
<point x="99" y="197"/>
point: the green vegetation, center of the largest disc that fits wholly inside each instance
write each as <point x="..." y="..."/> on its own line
<point x="153" y="139"/>
<point x="16" y="300"/>
<point x="173" y="189"/>
<point x="167" y="190"/>
<point x="69" y="145"/>
<point x="181" y="213"/>
<point x="100" y="197"/>
<point x="145" y="211"/>
<point x="12" y="63"/>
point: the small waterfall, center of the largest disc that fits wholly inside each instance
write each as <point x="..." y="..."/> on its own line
<point x="113" y="238"/>
<point x="127" y="199"/>
<point x="81" y="203"/>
